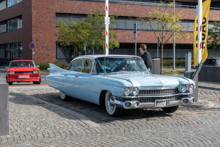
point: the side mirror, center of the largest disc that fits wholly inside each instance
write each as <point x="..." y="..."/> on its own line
<point x="38" y="66"/>
<point x="6" y="67"/>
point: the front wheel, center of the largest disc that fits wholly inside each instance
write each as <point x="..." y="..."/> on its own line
<point x="9" y="83"/>
<point x="63" y="96"/>
<point x="38" y="82"/>
<point x="170" y="109"/>
<point x="111" y="108"/>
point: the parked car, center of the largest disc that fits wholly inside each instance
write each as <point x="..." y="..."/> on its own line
<point x="119" y="82"/>
<point x="212" y="62"/>
<point x="23" y="71"/>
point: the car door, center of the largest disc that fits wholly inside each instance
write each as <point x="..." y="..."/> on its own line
<point x="83" y="81"/>
<point x="70" y="77"/>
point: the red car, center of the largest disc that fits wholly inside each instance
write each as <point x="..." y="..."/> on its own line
<point x="23" y="71"/>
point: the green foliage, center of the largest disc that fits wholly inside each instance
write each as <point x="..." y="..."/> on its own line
<point x="214" y="36"/>
<point x="61" y="64"/>
<point x="90" y="31"/>
<point x="179" y="63"/>
<point x="167" y="24"/>
<point x="44" y="66"/>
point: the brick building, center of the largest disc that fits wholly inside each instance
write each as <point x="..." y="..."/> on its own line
<point x="26" y="21"/>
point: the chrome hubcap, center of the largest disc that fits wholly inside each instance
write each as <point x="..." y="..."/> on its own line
<point x="62" y="94"/>
<point x="110" y="103"/>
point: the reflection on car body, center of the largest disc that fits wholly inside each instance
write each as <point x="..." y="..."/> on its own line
<point x="120" y="82"/>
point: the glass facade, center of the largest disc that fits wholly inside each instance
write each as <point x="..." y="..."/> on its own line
<point x="10" y="51"/>
<point x="8" y="3"/>
<point x="186" y="4"/>
<point x="11" y="24"/>
<point x="126" y="23"/>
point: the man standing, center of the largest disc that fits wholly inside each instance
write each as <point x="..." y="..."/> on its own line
<point x="145" y="55"/>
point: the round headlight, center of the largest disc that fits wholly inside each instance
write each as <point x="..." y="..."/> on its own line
<point x="191" y="88"/>
<point x="183" y="88"/>
<point x="127" y="91"/>
<point x="135" y="91"/>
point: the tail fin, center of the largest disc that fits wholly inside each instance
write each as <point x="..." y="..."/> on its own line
<point x="54" y="68"/>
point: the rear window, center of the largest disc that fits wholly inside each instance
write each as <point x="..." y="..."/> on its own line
<point x="210" y="62"/>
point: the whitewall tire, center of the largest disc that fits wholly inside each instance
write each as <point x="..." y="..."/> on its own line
<point x="111" y="108"/>
<point x="63" y="96"/>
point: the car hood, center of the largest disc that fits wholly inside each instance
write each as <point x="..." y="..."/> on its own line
<point x="22" y="69"/>
<point x="151" y="80"/>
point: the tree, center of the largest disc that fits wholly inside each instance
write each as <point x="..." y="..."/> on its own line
<point x="90" y="31"/>
<point x="214" y="36"/>
<point x="164" y="25"/>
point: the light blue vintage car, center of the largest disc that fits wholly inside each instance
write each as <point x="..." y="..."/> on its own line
<point x="119" y="82"/>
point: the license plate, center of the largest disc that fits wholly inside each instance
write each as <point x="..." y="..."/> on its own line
<point x="23" y="76"/>
<point x="161" y="103"/>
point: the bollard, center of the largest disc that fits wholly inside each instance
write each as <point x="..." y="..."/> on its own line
<point x="155" y="66"/>
<point x="4" y="118"/>
<point x="189" y="73"/>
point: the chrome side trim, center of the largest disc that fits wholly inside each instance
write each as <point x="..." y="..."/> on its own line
<point x="72" y="86"/>
<point x="60" y="83"/>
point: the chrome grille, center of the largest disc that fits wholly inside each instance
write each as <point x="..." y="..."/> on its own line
<point x="27" y="72"/>
<point x="158" y="92"/>
<point x="152" y="99"/>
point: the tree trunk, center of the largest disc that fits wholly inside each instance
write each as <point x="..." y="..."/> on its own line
<point x="161" y="60"/>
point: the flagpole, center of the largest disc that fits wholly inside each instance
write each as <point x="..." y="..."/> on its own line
<point x="107" y="22"/>
<point x="199" y="51"/>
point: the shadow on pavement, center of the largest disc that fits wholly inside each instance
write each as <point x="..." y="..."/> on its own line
<point x="92" y="111"/>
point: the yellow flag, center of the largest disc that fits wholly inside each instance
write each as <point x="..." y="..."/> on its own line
<point x="205" y="22"/>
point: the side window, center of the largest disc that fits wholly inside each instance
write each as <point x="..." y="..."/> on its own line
<point x="87" y="66"/>
<point x="76" y="65"/>
<point x="97" y="69"/>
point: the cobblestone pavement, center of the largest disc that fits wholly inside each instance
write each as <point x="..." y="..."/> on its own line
<point x="39" y="118"/>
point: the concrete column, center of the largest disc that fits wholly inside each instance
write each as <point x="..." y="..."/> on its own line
<point x="4" y="118"/>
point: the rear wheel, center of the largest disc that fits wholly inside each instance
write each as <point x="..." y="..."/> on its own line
<point x="63" y="96"/>
<point x="170" y="109"/>
<point x="111" y="108"/>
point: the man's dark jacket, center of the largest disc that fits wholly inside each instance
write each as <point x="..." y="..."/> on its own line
<point x="147" y="59"/>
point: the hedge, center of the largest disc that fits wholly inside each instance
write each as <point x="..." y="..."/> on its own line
<point x="179" y="63"/>
<point x="44" y="66"/>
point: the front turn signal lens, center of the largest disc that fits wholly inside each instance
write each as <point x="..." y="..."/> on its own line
<point x="11" y="72"/>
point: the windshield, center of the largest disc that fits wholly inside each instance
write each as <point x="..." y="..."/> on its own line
<point x="120" y="64"/>
<point x="22" y="64"/>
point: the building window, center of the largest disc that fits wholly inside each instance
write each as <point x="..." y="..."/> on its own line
<point x="2" y="4"/>
<point x="11" y="25"/>
<point x="12" y="2"/>
<point x="3" y="27"/>
<point x="11" y="51"/>
<point x="125" y="23"/>
<point x="14" y="24"/>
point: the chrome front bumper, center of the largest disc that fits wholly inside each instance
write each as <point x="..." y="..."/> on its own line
<point x="134" y="104"/>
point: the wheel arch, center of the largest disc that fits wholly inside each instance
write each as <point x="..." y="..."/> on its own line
<point x="102" y="98"/>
